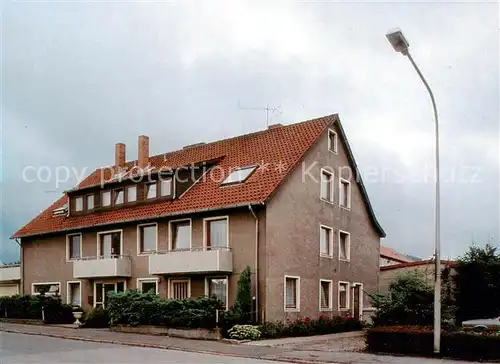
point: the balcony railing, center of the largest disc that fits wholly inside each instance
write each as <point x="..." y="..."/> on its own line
<point x="10" y="272"/>
<point x="102" y="267"/>
<point x="191" y="261"/>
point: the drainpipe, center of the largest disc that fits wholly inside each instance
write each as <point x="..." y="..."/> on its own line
<point x="21" y="259"/>
<point x="256" y="264"/>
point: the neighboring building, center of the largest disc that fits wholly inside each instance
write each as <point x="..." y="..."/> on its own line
<point x="427" y="267"/>
<point x="10" y="279"/>
<point x="186" y="224"/>
<point x="389" y="256"/>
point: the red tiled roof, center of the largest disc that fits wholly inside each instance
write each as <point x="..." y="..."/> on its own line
<point x="284" y="145"/>
<point x="390" y="253"/>
<point x="451" y="263"/>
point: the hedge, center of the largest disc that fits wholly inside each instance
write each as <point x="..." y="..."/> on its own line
<point x="136" y="308"/>
<point x="30" y="307"/>
<point x="307" y="327"/>
<point x="419" y="341"/>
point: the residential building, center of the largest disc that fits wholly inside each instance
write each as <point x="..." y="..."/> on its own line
<point x="10" y="279"/>
<point x="389" y="256"/>
<point x="389" y="273"/>
<point x="286" y="201"/>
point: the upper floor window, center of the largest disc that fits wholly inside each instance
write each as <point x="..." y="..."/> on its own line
<point x="79" y="204"/>
<point x="345" y="193"/>
<point x="239" y="175"/>
<point x="180" y="233"/>
<point x="106" y="198"/>
<point x="332" y="141"/>
<point x="166" y="187"/>
<point x="147" y="236"/>
<point x="131" y="193"/>
<point x="344" y="245"/>
<point x="73" y="246"/>
<point x="151" y="190"/>
<point x="326" y="185"/>
<point x="110" y="244"/>
<point x="326" y="241"/>
<point x="90" y="202"/>
<point x="216" y="233"/>
<point x="118" y="197"/>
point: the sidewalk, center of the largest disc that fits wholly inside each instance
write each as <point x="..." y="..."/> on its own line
<point x="337" y="348"/>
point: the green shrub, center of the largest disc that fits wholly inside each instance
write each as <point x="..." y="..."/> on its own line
<point x="96" y="318"/>
<point x="417" y="340"/>
<point x="136" y="308"/>
<point x="307" y="327"/>
<point x="244" y="332"/>
<point x="30" y="307"/>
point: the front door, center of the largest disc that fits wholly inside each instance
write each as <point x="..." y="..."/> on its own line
<point x="102" y="290"/>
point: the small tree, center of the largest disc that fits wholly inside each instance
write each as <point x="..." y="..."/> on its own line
<point x="244" y="294"/>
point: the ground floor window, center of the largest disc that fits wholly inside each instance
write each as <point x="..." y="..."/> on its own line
<point x="292" y="293"/>
<point x="101" y="290"/>
<point x="147" y="285"/>
<point x="46" y="288"/>
<point x="218" y="287"/>
<point x="325" y="295"/>
<point x="343" y="296"/>
<point x="179" y="289"/>
<point x="74" y="293"/>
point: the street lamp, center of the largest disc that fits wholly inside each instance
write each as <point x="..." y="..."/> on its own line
<point x="400" y="44"/>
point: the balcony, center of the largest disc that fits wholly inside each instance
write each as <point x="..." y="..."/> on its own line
<point x="10" y="272"/>
<point x="192" y="261"/>
<point x="102" y="267"/>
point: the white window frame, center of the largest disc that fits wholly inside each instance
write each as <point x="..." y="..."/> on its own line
<point x="297" y="293"/>
<point x="148" y="280"/>
<point x="82" y="204"/>
<point x="330" y="243"/>
<point x="139" y="253"/>
<point x="33" y="285"/>
<point x="114" y="194"/>
<point x="147" y="184"/>
<point x="68" y="297"/>
<point x="330" y="295"/>
<point x="173" y="280"/>
<point x="208" y="219"/>
<point x="109" y="232"/>
<point x="332" y="187"/>
<point x="341" y="182"/>
<point x="333" y="150"/>
<point x="171" y="179"/>
<point x="207" y="287"/>
<point x="94" y="288"/>
<point x="170" y="234"/>
<point x="127" y="188"/>
<point x="347" y="297"/>
<point x="68" y="258"/>
<point x="253" y="168"/>
<point x="348" y="247"/>
<point x="110" y="198"/>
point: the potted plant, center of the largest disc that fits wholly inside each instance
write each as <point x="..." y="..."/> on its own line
<point x="77" y="314"/>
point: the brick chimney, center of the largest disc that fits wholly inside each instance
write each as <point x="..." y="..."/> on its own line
<point x="143" y="148"/>
<point x="119" y="155"/>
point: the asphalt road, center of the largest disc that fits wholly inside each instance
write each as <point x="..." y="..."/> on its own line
<point x="19" y="348"/>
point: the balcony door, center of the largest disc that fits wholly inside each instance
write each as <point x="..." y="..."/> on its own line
<point x="110" y="245"/>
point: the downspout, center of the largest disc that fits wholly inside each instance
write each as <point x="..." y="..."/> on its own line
<point x="256" y="264"/>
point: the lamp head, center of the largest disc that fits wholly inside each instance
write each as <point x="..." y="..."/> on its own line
<point x="398" y="41"/>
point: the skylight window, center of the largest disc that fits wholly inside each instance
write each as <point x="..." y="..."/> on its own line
<point x="239" y="175"/>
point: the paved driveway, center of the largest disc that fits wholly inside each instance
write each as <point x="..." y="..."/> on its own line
<point x="19" y="348"/>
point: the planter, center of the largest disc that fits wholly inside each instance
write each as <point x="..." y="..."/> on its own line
<point x="77" y="315"/>
<point x="199" y="334"/>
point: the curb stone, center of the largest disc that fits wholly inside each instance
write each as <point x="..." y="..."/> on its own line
<point x="164" y="347"/>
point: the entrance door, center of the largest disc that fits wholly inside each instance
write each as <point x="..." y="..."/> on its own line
<point x="102" y="290"/>
<point x="357" y="301"/>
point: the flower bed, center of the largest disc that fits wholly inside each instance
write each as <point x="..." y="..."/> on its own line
<point x="418" y="340"/>
<point x="307" y="327"/>
<point x="30" y="307"/>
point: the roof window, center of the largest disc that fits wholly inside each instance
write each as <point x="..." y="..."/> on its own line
<point x="239" y="175"/>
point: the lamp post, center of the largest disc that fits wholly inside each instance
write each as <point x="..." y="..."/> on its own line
<point x="401" y="45"/>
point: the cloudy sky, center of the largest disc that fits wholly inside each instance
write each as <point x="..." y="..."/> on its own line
<point x="79" y="76"/>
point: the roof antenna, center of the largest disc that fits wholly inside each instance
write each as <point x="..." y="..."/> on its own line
<point x="267" y="109"/>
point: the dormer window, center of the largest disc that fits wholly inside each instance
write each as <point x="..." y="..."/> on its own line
<point x="118" y="197"/>
<point x="239" y="175"/>
<point x="166" y="187"/>
<point x="131" y="193"/>
<point x="90" y="202"/>
<point x="151" y="190"/>
<point x="106" y="198"/>
<point x="79" y="204"/>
